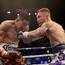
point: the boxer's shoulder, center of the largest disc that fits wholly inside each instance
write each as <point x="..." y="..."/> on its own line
<point x="7" y="22"/>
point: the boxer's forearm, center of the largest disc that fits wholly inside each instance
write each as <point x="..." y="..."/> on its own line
<point x="35" y="34"/>
<point x="34" y="39"/>
<point x="39" y="32"/>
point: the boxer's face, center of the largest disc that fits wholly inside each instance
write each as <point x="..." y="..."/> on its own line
<point x="25" y="25"/>
<point x="25" y="22"/>
<point x="41" y="17"/>
<point x="18" y="24"/>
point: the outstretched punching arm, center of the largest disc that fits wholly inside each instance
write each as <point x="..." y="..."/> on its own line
<point x="36" y="34"/>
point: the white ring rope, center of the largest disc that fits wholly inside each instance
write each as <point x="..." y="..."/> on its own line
<point x="33" y="48"/>
<point x="63" y="63"/>
<point x="33" y="56"/>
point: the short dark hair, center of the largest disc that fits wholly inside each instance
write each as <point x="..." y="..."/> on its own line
<point x="43" y="10"/>
<point x="24" y="17"/>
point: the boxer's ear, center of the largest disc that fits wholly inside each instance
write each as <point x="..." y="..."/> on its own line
<point x="48" y="18"/>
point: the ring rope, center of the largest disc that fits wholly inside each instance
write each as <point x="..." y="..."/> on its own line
<point x="33" y="56"/>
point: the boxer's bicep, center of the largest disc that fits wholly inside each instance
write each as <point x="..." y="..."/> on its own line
<point x="39" y="32"/>
<point x="36" y="34"/>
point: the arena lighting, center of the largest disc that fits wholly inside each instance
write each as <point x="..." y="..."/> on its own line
<point x="8" y="12"/>
<point x="29" y="13"/>
<point x="18" y="14"/>
<point x="35" y="13"/>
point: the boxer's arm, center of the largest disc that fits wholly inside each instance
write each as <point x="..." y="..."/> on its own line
<point x="39" y="32"/>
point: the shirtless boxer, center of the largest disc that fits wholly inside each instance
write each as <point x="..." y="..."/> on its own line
<point x="47" y="27"/>
<point x="10" y="37"/>
<point x="10" y="28"/>
<point x="21" y="23"/>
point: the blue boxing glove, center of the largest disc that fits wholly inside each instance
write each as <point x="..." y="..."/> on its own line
<point x="20" y="35"/>
<point x="23" y="35"/>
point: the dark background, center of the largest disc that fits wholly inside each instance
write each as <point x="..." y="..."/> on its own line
<point x="56" y="6"/>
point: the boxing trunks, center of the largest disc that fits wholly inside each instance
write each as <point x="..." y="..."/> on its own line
<point x="60" y="50"/>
